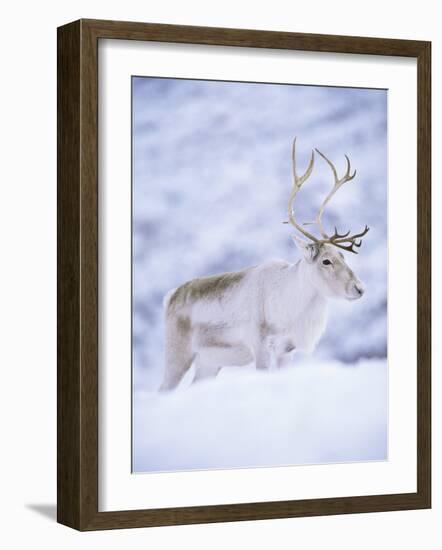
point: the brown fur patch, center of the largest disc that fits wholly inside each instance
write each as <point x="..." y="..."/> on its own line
<point x="183" y="325"/>
<point x="265" y="329"/>
<point x="213" y="287"/>
<point x="214" y="343"/>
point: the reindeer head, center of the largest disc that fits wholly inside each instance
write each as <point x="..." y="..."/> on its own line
<point x="325" y="262"/>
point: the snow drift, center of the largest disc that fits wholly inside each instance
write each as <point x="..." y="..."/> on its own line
<point x="316" y="413"/>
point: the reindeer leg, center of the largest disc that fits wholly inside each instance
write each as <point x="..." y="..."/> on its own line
<point x="284" y="360"/>
<point x="173" y="376"/>
<point x="211" y="359"/>
<point x="179" y="355"/>
<point x="285" y="356"/>
<point x="263" y="356"/>
<point x="207" y="364"/>
<point x="205" y="374"/>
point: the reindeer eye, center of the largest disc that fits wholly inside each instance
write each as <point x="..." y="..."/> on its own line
<point x="326" y="262"/>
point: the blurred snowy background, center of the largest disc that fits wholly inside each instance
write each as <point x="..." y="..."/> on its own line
<point x="211" y="178"/>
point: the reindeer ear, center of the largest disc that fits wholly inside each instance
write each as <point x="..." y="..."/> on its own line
<point x="309" y="250"/>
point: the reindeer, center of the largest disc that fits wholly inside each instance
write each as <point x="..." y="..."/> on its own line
<point x="266" y="312"/>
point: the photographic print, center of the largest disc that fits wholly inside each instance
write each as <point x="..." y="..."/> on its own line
<point x="259" y="274"/>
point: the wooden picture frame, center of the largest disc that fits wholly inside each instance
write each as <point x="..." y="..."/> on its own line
<point x="77" y="226"/>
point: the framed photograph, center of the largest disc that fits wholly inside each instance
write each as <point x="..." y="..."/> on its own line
<point x="243" y="274"/>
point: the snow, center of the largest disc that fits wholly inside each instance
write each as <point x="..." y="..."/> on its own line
<point x="211" y="178"/>
<point x="321" y="412"/>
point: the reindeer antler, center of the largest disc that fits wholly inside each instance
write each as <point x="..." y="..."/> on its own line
<point x="344" y="241"/>
<point x="297" y="184"/>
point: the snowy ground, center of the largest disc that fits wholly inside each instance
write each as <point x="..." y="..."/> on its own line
<point x="316" y="413"/>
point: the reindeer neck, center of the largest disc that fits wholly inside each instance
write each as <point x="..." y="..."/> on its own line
<point x="302" y="308"/>
<point x="298" y="291"/>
